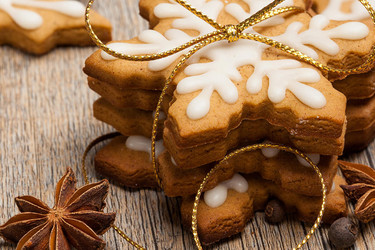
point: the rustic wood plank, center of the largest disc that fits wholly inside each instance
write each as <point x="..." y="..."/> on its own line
<point x="46" y="122"/>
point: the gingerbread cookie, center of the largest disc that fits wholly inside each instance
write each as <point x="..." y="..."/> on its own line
<point x="360" y="86"/>
<point x="37" y="26"/>
<point x="127" y="121"/>
<point x="127" y="98"/>
<point x="361" y="124"/>
<point x="128" y="161"/>
<point x="130" y="168"/>
<point x="252" y="194"/>
<point x="290" y="172"/>
<point x="130" y="121"/>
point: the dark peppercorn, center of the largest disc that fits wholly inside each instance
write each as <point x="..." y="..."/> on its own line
<point x="275" y="212"/>
<point x="343" y="233"/>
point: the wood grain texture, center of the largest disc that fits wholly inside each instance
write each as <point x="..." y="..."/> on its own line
<point x="46" y="122"/>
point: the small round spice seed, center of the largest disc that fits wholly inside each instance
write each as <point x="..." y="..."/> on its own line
<point x="274" y="212"/>
<point x="343" y="233"/>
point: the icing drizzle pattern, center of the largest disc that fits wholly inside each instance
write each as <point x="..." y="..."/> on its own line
<point x="319" y="38"/>
<point x="218" y="195"/>
<point x="254" y="5"/>
<point x="29" y="20"/>
<point x="221" y="73"/>
<point x="142" y="143"/>
<point x="357" y="11"/>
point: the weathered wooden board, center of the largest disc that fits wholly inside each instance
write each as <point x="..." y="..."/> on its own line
<point x="46" y="122"/>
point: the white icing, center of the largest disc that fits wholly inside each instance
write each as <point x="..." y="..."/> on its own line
<point x="255" y="5"/>
<point x="357" y="11"/>
<point x="221" y="73"/>
<point x="218" y="195"/>
<point x="186" y="21"/>
<point x="286" y="75"/>
<point x="141" y="143"/>
<point x="319" y="38"/>
<point x="154" y="43"/>
<point x="29" y="19"/>
<point x="272" y="152"/>
<point x="173" y="161"/>
<point x="315" y="158"/>
<point x="218" y="75"/>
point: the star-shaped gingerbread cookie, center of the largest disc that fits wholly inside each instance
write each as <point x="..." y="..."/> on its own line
<point x="37" y="26"/>
<point x="226" y="85"/>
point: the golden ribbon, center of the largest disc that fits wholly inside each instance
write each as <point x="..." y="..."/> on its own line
<point x="231" y="33"/>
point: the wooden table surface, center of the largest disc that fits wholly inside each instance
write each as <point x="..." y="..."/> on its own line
<point x="46" y="122"/>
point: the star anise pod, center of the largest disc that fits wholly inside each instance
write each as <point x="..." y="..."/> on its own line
<point x="361" y="189"/>
<point x="76" y="218"/>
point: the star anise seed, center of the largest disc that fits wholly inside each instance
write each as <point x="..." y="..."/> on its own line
<point x="365" y="208"/>
<point x="355" y="191"/>
<point x="357" y="173"/>
<point x="361" y="190"/>
<point x="76" y="218"/>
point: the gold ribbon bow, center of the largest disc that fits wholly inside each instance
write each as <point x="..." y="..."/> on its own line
<point x="231" y="33"/>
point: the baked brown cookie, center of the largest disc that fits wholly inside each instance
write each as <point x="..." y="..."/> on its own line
<point x="130" y="121"/>
<point x="232" y="216"/>
<point x="125" y="98"/>
<point x="361" y="124"/>
<point x="128" y="161"/>
<point x="128" y="167"/>
<point x="284" y="169"/>
<point x="37" y="26"/>
<point x="361" y="86"/>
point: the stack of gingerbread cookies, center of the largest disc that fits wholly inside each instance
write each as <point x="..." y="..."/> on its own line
<point x="235" y="94"/>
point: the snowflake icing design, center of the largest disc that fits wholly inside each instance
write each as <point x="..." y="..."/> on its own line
<point x="255" y="5"/>
<point x="357" y="11"/>
<point x="30" y="20"/>
<point x="221" y="73"/>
